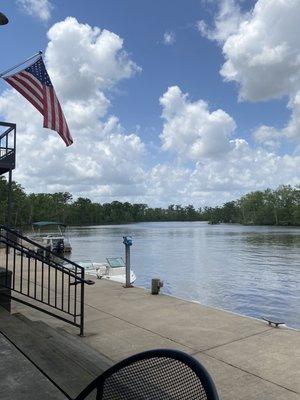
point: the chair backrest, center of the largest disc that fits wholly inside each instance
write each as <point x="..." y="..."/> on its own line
<point x="153" y="375"/>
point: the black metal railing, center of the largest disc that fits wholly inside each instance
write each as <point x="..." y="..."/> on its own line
<point x="7" y="146"/>
<point x="41" y="279"/>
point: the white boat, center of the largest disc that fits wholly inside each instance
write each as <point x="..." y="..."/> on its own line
<point x="57" y="242"/>
<point x="113" y="269"/>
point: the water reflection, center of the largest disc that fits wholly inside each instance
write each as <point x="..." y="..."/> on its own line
<point x="250" y="270"/>
<point x="272" y="240"/>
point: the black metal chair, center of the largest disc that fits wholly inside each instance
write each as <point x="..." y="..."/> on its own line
<point x="153" y="375"/>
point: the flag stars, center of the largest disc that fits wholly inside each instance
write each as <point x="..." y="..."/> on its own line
<point x="38" y="70"/>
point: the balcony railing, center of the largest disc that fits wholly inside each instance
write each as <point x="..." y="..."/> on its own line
<point x="7" y="147"/>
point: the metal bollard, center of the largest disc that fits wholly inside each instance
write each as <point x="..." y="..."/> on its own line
<point x="156" y="285"/>
<point x="127" y="240"/>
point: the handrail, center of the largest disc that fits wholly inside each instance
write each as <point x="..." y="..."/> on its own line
<point x="7" y="152"/>
<point x="8" y="124"/>
<point x="7" y="131"/>
<point x="35" y="272"/>
<point x="39" y="257"/>
<point x="15" y="233"/>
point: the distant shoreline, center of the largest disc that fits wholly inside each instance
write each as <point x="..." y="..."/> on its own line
<point x="280" y="207"/>
<point x="28" y="227"/>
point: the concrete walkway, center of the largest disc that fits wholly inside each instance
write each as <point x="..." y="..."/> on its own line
<point x="246" y="358"/>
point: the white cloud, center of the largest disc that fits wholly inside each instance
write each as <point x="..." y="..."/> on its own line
<point x="226" y="21"/>
<point x="169" y="38"/>
<point x="103" y="159"/>
<point x="245" y="169"/>
<point x="104" y="163"/>
<point x="225" y="168"/>
<point x="191" y="129"/>
<point x="292" y="130"/>
<point x="272" y="137"/>
<point x="166" y="183"/>
<point x="263" y="54"/>
<point x="267" y="136"/>
<point x="83" y="60"/>
<point x="215" y="181"/>
<point x="38" y="8"/>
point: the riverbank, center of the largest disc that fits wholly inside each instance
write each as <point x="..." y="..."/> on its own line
<point x="246" y="358"/>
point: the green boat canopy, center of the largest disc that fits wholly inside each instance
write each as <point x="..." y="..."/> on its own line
<point x="41" y="224"/>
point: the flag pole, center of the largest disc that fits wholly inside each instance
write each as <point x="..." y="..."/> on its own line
<point x="18" y="65"/>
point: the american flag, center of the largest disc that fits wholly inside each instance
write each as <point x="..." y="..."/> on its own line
<point x="35" y="85"/>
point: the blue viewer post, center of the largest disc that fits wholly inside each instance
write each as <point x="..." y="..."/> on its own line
<point x="127" y="241"/>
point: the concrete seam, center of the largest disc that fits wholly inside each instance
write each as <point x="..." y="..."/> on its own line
<point x="140" y="327"/>
<point x="235" y="340"/>
<point x="248" y="372"/>
<point x="175" y="341"/>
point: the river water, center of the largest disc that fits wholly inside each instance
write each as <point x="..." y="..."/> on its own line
<point x="249" y="270"/>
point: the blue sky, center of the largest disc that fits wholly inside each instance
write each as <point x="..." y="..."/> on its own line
<point x="192" y="63"/>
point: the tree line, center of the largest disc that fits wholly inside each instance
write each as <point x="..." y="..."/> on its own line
<point x="269" y="207"/>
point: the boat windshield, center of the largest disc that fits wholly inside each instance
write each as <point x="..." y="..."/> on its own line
<point x="86" y="264"/>
<point x="115" y="262"/>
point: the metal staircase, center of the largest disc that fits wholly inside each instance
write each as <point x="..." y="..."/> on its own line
<point x="41" y="279"/>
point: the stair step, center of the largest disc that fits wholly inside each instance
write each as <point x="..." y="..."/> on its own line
<point x="20" y="380"/>
<point x="67" y="361"/>
<point x="88" y="357"/>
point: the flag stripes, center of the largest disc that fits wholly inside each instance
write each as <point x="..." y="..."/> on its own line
<point x="35" y="85"/>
